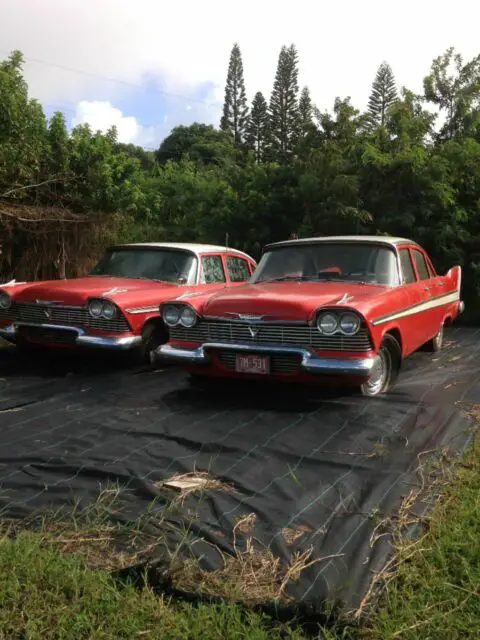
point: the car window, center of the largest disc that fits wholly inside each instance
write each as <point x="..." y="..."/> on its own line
<point x="212" y="270"/>
<point x="238" y="270"/>
<point x="421" y="265"/>
<point x="334" y="261"/>
<point x="407" y="267"/>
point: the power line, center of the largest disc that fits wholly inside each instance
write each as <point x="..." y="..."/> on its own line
<point x="115" y="80"/>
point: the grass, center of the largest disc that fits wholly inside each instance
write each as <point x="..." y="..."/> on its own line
<point x="435" y="590"/>
<point x="56" y="581"/>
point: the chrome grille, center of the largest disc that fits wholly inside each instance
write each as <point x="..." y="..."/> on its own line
<point x="279" y="363"/>
<point x="285" y="334"/>
<point x="68" y="316"/>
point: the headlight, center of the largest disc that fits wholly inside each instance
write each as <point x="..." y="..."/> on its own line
<point x="5" y="300"/>
<point x="188" y="317"/>
<point x="327" y="323"/>
<point x="349" y="324"/>
<point x="95" y="308"/>
<point x="109" y="310"/>
<point x="171" y="315"/>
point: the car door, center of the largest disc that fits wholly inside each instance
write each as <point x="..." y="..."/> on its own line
<point x="212" y="272"/>
<point x="428" y="317"/>
<point x="410" y="329"/>
<point x="238" y="269"/>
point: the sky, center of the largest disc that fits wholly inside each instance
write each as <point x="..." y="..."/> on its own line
<point x="149" y="65"/>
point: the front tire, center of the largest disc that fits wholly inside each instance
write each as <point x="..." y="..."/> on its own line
<point x="385" y="369"/>
<point x="153" y="335"/>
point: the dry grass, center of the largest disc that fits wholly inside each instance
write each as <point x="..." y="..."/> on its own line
<point x="252" y="575"/>
<point x="434" y="473"/>
<point x="194" y="482"/>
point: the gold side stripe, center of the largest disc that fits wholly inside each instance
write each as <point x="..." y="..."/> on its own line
<point x="439" y="301"/>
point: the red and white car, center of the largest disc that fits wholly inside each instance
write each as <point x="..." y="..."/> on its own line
<point x="116" y="306"/>
<point x="343" y="309"/>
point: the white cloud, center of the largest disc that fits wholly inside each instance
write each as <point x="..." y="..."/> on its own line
<point x="187" y="43"/>
<point x="102" y="115"/>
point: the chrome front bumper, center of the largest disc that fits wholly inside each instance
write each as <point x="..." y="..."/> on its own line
<point x="311" y="363"/>
<point x="10" y="333"/>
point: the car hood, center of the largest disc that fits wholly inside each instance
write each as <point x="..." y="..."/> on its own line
<point x="292" y="300"/>
<point x="122" y="291"/>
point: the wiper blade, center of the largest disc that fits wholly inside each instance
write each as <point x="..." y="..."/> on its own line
<point x="288" y="278"/>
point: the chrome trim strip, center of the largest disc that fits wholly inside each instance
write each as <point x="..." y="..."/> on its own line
<point x="127" y="342"/>
<point x="310" y="362"/>
<point x="262" y="322"/>
<point x="44" y="303"/>
<point x="135" y="310"/>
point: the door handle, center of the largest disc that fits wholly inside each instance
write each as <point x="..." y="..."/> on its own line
<point x="426" y="288"/>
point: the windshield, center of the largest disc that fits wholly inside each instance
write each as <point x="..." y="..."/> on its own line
<point x="328" y="261"/>
<point x="167" y="265"/>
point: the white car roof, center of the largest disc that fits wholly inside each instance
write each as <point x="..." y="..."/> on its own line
<point x="389" y="240"/>
<point x="189" y="246"/>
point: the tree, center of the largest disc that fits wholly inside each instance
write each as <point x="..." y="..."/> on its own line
<point x="23" y="130"/>
<point x="235" y="109"/>
<point x="456" y="94"/>
<point x="201" y="143"/>
<point x="305" y="110"/>
<point x="284" y="115"/>
<point x="383" y="95"/>
<point x="257" y="127"/>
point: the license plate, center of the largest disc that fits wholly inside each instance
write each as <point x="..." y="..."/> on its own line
<point x="252" y="364"/>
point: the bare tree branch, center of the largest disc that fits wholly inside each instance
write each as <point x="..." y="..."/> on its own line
<point x="34" y="186"/>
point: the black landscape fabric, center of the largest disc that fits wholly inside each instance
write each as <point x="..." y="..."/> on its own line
<point x="316" y="469"/>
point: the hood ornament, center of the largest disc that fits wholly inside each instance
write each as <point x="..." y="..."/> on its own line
<point x="11" y="283"/>
<point x="113" y="291"/>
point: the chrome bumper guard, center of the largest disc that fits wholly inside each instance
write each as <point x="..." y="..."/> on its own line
<point x="10" y="333"/>
<point x="311" y="363"/>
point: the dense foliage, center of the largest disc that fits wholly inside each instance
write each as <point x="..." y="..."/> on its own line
<point x="408" y="165"/>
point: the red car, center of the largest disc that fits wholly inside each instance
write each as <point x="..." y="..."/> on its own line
<point x="116" y="306"/>
<point x="343" y="309"/>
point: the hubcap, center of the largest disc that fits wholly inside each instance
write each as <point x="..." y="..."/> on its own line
<point x="439" y="337"/>
<point x="380" y="372"/>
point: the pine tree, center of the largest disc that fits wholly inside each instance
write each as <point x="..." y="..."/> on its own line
<point x="235" y="109"/>
<point x="284" y="115"/>
<point x="384" y="94"/>
<point x="305" y="110"/>
<point x="257" y="127"/>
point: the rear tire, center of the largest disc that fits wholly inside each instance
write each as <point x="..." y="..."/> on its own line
<point x="436" y="343"/>
<point x="385" y="370"/>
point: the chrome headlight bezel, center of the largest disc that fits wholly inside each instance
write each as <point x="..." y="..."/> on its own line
<point x="174" y="315"/>
<point x="193" y="317"/>
<point x="5" y="301"/>
<point x="341" y="317"/>
<point x="355" y="318"/>
<point x="97" y="309"/>
<point x="174" y="318"/>
<point x="322" y="316"/>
